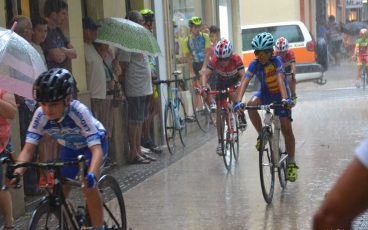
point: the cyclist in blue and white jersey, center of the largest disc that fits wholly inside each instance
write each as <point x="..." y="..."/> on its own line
<point x="274" y="88"/>
<point x="73" y="126"/>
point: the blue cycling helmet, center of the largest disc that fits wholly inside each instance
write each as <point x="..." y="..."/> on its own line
<point x="263" y="41"/>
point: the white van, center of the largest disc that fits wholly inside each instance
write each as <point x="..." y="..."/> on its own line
<point x="300" y="41"/>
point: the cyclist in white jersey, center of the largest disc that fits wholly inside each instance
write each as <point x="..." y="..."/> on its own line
<point x="73" y="126"/>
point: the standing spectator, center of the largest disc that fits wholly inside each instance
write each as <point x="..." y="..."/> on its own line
<point x="57" y="48"/>
<point x="8" y="110"/>
<point x="96" y="78"/>
<point x="348" y="197"/>
<point x="39" y="35"/>
<point x="138" y="90"/>
<point x="334" y="39"/>
<point x="214" y="38"/>
<point x="111" y="69"/>
<point x="197" y="49"/>
<point x="155" y="104"/>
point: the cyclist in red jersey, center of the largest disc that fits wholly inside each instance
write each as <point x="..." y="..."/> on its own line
<point x="228" y="69"/>
<point x="288" y="58"/>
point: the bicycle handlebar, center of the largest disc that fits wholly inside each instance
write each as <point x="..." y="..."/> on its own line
<point x="8" y="167"/>
<point x="201" y="91"/>
<point x="261" y="107"/>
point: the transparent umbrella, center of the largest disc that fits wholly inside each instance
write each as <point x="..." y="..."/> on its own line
<point x="127" y="35"/>
<point x="20" y="64"/>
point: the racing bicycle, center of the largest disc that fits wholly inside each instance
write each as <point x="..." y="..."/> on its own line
<point x="229" y="125"/>
<point x="55" y="211"/>
<point x="272" y="153"/>
<point x="175" y="114"/>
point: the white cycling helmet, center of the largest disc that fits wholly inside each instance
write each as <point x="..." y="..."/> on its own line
<point x="363" y="31"/>
<point x="223" y="49"/>
<point x="282" y="45"/>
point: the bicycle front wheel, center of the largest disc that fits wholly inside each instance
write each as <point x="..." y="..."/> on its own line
<point x="183" y="117"/>
<point x="170" y="129"/>
<point x="227" y="145"/>
<point x="47" y="217"/>
<point x="113" y="203"/>
<point x="282" y="169"/>
<point x="235" y="126"/>
<point x="201" y="112"/>
<point x="266" y="168"/>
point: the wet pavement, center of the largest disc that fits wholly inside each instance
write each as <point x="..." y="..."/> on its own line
<point x="193" y="190"/>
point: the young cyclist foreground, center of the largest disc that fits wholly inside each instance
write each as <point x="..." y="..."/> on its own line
<point x="269" y="70"/>
<point x="73" y="126"/>
<point x="227" y="68"/>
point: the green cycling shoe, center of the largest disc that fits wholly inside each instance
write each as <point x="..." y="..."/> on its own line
<point x="292" y="172"/>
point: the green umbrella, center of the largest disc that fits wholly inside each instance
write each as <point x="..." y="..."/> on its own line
<point x="127" y="35"/>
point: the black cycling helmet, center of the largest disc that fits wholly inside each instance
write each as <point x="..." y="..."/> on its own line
<point x="53" y="85"/>
<point x="148" y="15"/>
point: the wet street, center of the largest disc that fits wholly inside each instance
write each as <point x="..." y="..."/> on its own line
<point x="197" y="192"/>
<point x="192" y="190"/>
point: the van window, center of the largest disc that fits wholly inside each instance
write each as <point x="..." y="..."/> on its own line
<point x="290" y="32"/>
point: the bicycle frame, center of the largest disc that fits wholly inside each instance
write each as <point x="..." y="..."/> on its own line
<point x="55" y="198"/>
<point x="226" y="107"/>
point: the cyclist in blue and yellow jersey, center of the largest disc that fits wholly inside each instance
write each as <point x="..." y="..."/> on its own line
<point x="155" y="104"/>
<point x="288" y="58"/>
<point x="269" y="70"/>
<point x="71" y="123"/>
<point x="228" y="69"/>
<point x="197" y="49"/>
<point x="361" y="48"/>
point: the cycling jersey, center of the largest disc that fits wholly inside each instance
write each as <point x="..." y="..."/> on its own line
<point x="361" y="152"/>
<point x="267" y="74"/>
<point x="196" y="46"/>
<point x="77" y="129"/>
<point x="228" y="72"/>
<point x="287" y="59"/>
<point x="361" y="46"/>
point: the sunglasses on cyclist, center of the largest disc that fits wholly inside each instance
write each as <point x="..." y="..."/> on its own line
<point x="223" y="59"/>
<point x="261" y="54"/>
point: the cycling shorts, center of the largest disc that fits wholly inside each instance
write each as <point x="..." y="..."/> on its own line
<point x="268" y="99"/>
<point x="224" y="84"/>
<point x="197" y="66"/>
<point x="67" y="155"/>
<point x="359" y="60"/>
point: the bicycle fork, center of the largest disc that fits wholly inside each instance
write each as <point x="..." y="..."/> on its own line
<point x="276" y="144"/>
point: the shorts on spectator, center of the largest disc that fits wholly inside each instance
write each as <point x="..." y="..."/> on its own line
<point x="138" y="108"/>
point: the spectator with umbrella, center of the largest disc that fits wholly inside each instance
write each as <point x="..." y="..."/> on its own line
<point x="334" y="39"/>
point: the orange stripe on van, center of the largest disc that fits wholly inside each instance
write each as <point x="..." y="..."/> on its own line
<point x="302" y="55"/>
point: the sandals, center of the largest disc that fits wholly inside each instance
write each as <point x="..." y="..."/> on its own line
<point x="139" y="160"/>
<point x="148" y="157"/>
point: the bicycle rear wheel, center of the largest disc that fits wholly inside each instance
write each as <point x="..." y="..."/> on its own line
<point x="364" y="79"/>
<point x="170" y="129"/>
<point x="227" y="145"/>
<point x="183" y="117"/>
<point x="282" y="170"/>
<point x="266" y="168"/>
<point x="113" y="203"/>
<point x="47" y="217"/>
<point x="201" y="112"/>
